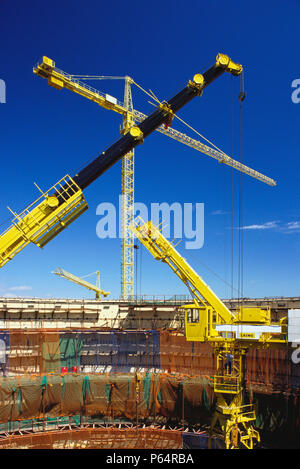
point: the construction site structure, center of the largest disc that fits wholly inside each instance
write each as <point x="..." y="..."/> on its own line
<point x="231" y="335"/>
<point x="80" y="281"/>
<point x="55" y="391"/>
<point x="59" y="79"/>
<point x="144" y="313"/>
<point x="64" y="202"/>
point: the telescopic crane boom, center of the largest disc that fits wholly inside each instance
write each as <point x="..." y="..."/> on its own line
<point x="64" y="202"/>
<point x="230" y="334"/>
<point x="59" y="79"/>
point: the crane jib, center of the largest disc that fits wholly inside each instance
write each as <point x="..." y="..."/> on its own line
<point x="127" y="142"/>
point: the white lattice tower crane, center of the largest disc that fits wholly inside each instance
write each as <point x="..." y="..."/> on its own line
<point x="127" y="202"/>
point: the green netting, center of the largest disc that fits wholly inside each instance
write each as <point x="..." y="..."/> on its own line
<point x="123" y="397"/>
<point x="114" y="395"/>
<point x="85" y="389"/>
<point x="205" y="400"/>
<point x="147" y="388"/>
<point x="70" y="347"/>
<point x="108" y="392"/>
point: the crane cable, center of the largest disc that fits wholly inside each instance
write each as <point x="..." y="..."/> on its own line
<point x="242" y="96"/>
<point x="232" y="184"/>
<point x="240" y="266"/>
<point x="152" y="95"/>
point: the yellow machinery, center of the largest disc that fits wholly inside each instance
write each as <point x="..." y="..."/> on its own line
<point x="208" y="319"/>
<point x="60" y="79"/>
<point x="64" y="202"/>
<point x="83" y="283"/>
<point x="41" y="221"/>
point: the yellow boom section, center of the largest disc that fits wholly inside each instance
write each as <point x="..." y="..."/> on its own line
<point x="41" y="221"/>
<point x="161" y="249"/>
<point x="83" y="283"/>
<point x="60" y="79"/>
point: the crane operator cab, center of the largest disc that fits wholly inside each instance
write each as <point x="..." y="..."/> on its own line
<point x="198" y="322"/>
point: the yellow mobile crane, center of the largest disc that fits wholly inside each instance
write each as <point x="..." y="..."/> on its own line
<point x="59" y="79"/>
<point x="208" y="319"/>
<point x="64" y="202"/>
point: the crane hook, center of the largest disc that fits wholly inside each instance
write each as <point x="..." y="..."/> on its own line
<point x="242" y="94"/>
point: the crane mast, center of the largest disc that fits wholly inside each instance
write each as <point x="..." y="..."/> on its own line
<point x="127" y="202"/>
<point x="64" y="202"/>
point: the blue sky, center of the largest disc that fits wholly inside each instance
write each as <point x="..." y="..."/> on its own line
<point x="47" y="133"/>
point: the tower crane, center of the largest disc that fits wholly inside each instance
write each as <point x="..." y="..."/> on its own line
<point x="83" y="283"/>
<point x="64" y="202"/>
<point x="231" y="335"/>
<point x="59" y="79"/>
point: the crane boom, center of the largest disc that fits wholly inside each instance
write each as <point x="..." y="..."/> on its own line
<point x="230" y="335"/>
<point x="255" y="320"/>
<point x="59" y="79"/>
<point x="207" y="150"/>
<point x="161" y="249"/>
<point x="83" y="283"/>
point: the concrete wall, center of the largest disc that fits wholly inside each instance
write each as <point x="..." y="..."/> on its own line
<point x="37" y="313"/>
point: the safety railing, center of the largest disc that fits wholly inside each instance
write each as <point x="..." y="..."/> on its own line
<point x="158" y="299"/>
<point x="227" y="384"/>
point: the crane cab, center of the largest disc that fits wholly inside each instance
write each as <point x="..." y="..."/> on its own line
<point x="198" y="322"/>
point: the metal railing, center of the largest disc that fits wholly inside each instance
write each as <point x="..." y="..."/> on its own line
<point x="227" y="384"/>
<point x="158" y="299"/>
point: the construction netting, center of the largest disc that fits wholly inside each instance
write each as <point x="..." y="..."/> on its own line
<point x="102" y="350"/>
<point x="99" y="351"/>
<point x="143" y="397"/>
<point x="50" y="403"/>
<point x="131" y="397"/>
<point x="42" y="406"/>
<point x="272" y="371"/>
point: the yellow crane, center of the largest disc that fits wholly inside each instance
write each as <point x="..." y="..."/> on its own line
<point x="83" y="283"/>
<point x="231" y="334"/>
<point x="64" y="202"/>
<point x="59" y="79"/>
